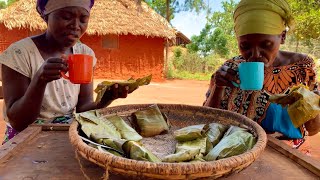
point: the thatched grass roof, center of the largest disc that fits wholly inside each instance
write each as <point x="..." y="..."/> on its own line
<point x="107" y="17"/>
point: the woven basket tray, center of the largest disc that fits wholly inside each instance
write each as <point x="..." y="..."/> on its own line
<point x="161" y="145"/>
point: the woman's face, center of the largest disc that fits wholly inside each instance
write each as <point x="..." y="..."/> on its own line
<point x="67" y="25"/>
<point x="260" y="47"/>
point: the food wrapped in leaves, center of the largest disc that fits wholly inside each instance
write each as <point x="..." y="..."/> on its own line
<point x="232" y="129"/>
<point x="99" y="125"/>
<point x="232" y="145"/>
<point x="126" y="131"/>
<point x="197" y="159"/>
<point x="182" y="156"/>
<point x="150" y="121"/>
<point x="105" y="150"/>
<point x="190" y="133"/>
<point x="131" y="83"/>
<point x="185" y="151"/>
<point x="200" y="143"/>
<point x="216" y="132"/>
<point x="107" y="141"/>
<point x="136" y="151"/>
<point x="302" y="104"/>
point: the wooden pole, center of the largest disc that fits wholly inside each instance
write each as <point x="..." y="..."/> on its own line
<point x="166" y="66"/>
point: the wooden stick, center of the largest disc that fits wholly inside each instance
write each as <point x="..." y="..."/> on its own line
<point x="53" y="127"/>
<point x="302" y="159"/>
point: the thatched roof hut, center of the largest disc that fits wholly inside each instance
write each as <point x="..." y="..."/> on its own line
<point x="119" y="17"/>
<point x="108" y="17"/>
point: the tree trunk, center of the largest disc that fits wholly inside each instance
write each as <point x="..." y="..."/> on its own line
<point x="297" y="45"/>
<point x="168" y="10"/>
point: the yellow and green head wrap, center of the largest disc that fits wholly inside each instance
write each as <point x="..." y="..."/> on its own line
<point x="262" y="17"/>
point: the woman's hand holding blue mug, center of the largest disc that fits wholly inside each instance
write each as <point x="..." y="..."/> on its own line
<point x="251" y="76"/>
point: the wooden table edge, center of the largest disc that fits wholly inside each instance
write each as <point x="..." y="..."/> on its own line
<point x="16" y="143"/>
<point x="302" y="159"/>
<point x="13" y="145"/>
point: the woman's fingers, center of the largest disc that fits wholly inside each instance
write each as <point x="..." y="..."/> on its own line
<point x="316" y="92"/>
<point x="223" y="82"/>
<point x="225" y="76"/>
<point x="124" y="92"/>
<point x="55" y="66"/>
<point x="116" y="91"/>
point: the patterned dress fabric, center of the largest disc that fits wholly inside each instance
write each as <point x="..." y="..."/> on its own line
<point x="255" y="104"/>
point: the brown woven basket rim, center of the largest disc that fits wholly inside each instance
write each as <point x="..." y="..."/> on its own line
<point x="164" y="168"/>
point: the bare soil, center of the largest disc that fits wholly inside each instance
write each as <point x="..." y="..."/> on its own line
<point x="172" y="92"/>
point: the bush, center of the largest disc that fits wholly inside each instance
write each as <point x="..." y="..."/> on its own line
<point x="187" y="65"/>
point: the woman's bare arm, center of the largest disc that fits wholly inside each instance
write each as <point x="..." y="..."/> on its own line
<point x="22" y="97"/>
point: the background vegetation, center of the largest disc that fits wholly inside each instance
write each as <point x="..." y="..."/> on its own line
<point x="217" y="41"/>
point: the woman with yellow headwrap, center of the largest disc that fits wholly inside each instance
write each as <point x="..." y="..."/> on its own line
<point x="260" y="27"/>
<point x="31" y="70"/>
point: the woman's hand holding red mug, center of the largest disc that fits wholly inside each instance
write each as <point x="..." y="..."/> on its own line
<point x="51" y="69"/>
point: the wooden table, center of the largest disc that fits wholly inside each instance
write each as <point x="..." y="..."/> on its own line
<point x="44" y="152"/>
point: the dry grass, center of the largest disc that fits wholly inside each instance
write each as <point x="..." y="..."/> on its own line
<point x="119" y="17"/>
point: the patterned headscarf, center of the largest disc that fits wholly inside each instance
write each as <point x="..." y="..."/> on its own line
<point x="262" y="17"/>
<point x="45" y="7"/>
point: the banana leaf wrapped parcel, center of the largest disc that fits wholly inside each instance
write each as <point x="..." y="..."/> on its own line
<point x="232" y="145"/>
<point x="107" y="141"/>
<point x="136" y="151"/>
<point x="302" y="104"/>
<point x="188" y="151"/>
<point x="190" y="133"/>
<point x="126" y="131"/>
<point x="232" y="129"/>
<point x="91" y="124"/>
<point x="182" y="156"/>
<point x="132" y="83"/>
<point x="105" y="150"/>
<point x="150" y="121"/>
<point x="216" y="132"/>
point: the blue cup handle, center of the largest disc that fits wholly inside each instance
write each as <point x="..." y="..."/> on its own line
<point x="235" y="84"/>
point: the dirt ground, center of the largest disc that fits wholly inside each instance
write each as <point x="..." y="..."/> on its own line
<point x="173" y="92"/>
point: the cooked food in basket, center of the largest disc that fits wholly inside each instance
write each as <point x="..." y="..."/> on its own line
<point x="150" y="122"/>
<point x="124" y="134"/>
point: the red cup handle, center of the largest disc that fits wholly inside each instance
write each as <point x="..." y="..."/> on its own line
<point x="63" y="74"/>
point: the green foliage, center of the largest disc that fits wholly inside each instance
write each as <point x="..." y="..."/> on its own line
<point x="217" y="37"/>
<point x="194" y="76"/>
<point x="177" y="57"/>
<point x="197" y="5"/>
<point x="223" y="20"/>
<point x="160" y="6"/>
<point x="3" y="5"/>
<point x="209" y="41"/>
<point x="188" y="65"/>
<point x="11" y="2"/>
<point x="307" y="18"/>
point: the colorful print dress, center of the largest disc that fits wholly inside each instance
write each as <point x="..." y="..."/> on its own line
<point x="256" y="105"/>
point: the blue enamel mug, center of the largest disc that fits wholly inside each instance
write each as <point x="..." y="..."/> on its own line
<point x="251" y="76"/>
